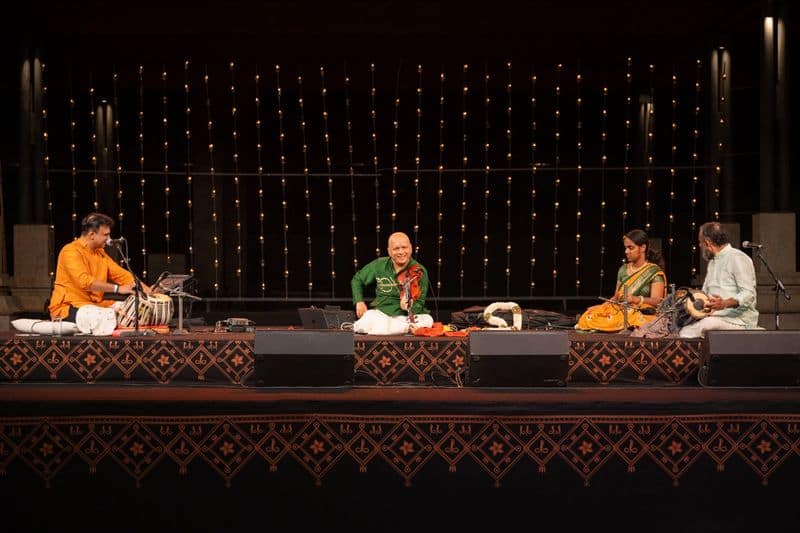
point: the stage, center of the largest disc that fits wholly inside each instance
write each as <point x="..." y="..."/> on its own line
<point x="167" y="430"/>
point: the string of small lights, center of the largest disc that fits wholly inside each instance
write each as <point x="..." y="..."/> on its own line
<point x="350" y="168"/>
<point x="46" y="162"/>
<point x="237" y="201"/>
<point x="534" y="166"/>
<point x="603" y="161"/>
<point x="142" y="179"/>
<point x="486" y="171"/>
<point x="307" y="191"/>
<point x="374" y="135"/>
<point x="626" y="169"/>
<point x="722" y="146"/>
<point x="93" y="144"/>
<point x="417" y="159"/>
<point x="165" y="163"/>
<point x="213" y="178"/>
<point x="672" y="173"/>
<point x="650" y="121"/>
<point x="557" y="176"/>
<point x="464" y="161"/>
<point x="188" y="134"/>
<point x="695" y="158"/>
<point x="73" y="166"/>
<point x="326" y="141"/>
<point x="262" y="259"/>
<point x="578" y="190"/>
<point x="284" y="200"/>
<point x="440" y="185"/>
<point x="395" y="150"/>
<point x="118" y="155"/>
<point x="509" y="190"/>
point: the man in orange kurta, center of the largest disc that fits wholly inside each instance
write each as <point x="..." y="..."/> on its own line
<point x="85" y="271"/>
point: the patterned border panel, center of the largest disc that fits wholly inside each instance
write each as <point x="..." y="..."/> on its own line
<point x="407" y="444"/>
<point x="228" y="358"/>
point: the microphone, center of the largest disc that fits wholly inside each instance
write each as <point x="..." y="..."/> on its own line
<point x="114" y="242"/>
<point x="752" y="245"/>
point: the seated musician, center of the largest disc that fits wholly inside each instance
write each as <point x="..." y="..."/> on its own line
<point x="85" y="271"/>
<point x="401" y="284"/>
<point x="641" y="278"/>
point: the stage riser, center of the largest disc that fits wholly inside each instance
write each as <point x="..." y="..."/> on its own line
<point x="229" y="358"/>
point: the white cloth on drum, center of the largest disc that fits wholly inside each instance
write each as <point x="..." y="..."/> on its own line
<point x="699" y="328"/>
<point x="95" y="320"/>
<point x="375" y="322"/>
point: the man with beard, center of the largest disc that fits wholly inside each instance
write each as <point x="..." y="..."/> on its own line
<point x="730" y="285"/>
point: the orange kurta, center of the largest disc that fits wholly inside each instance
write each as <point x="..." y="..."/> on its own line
<point x="77" y="268"/>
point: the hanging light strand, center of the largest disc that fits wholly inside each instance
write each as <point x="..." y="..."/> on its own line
<point x="237" y="201"/>
<point x="118" y="156"/>
<point x="93" y="144"/>
<point x="375" y="167"/>
<point x="556" y="176"/>
<point x="651" y="140"/>
<point x="326" y="142"/>
<point x="440" y="185"/>
<point x="603" y="161"/>
<point x="142" y="179"/>
<point x="46" y="167"/>
<point x="262" y="259"/>
<point x="464" y="162"/>
<point x="395" y="150"/>
<point x="284" y="199"/>
<point x="213" y="176"/>
<point x="350" y="168"/>
<point x="672" y="173"/>
<point x="189" y="193"/>
<point x="722" y="146"/>
<point x="307" y="191"/>
<point x="578" y="175"/>
<point x="486" y="171"/>
<point x="73" y="166"/>
<point x="417" y="159"/>
<point x="695" y="160"/>
<point x="509" y="178"/>
<point x="532" y="279"/>
<point x="165" y="163"/>
<point x="626" y="169"/>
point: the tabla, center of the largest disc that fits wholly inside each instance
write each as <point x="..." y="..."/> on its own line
<point x="154" y="310"/>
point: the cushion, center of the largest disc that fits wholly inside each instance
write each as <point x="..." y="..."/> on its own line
<point x="45" y="327"/>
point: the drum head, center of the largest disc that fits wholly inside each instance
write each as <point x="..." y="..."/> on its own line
<point x="691" y="306"/>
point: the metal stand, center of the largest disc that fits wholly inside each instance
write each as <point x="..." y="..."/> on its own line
<point x="180" y="295"/>
<point x="137" y="286"/>
<point x="779" y="288"/>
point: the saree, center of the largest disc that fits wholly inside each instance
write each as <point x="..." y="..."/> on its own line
<point x="609" y="316"/>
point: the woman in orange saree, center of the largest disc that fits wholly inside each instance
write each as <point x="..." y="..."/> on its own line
<point x="641" y="283"/>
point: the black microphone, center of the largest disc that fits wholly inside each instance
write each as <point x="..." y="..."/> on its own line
<point x="113" y="242"/>
<point x="753" y="245"/>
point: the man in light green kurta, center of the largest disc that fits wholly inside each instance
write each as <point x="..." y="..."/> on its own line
<point x="730" y="285"/>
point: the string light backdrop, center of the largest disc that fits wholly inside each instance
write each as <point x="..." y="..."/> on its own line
<point x="253" y="222"/>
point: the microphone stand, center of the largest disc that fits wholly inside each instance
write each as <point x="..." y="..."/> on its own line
<point x="779" y="288"/>
<point x="137" y="285"/>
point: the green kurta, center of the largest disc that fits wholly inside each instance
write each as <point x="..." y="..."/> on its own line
<point x="380" y="272"/>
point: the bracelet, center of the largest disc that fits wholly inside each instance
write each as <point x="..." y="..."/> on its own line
<point x="116" y="289"/>
<point x="641" y="300"/>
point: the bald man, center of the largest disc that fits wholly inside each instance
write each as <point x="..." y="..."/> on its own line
<point x="389" y="313"/>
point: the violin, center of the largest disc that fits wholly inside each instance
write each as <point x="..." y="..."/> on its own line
<point x="409" y="281"/>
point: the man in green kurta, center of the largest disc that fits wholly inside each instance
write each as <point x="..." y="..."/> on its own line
<point x="730" y="285"/>
<point x="390" y="308"/>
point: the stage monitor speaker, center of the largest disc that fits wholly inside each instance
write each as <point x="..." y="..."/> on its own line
<point x="750" y="359"/>
<point x="518" y="358"/>
<point x="294" y="358"/>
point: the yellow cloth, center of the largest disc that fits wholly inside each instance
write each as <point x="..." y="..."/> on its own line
<point x="608" y="316"/>
<point x="78" y="267"/>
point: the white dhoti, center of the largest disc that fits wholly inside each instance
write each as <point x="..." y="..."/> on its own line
<point x="375" y="322"/>
<point x="699" y="328"/>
